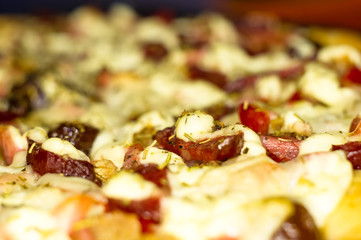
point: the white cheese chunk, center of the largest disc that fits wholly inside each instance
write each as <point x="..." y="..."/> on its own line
<point x="12" y="140"/>
<point x="193" y="125"/>
<point x="160" y="157"/>
<point x="322" y="84"/>
<point x="75" y="184"/>
<point x="321" y="142"/>
<point x="114" y="152"/>
<point x="340" y="53"/>
<point x="154" y="30"/>
<point x="273" y="90"/>
<point x="64" y="148"/>
<point x="295" y="124"/>
<point x="37" y="134"/>
<point x="304" y="48"/>
<point x="129" y="186"/>
<point x="19" y="160"/>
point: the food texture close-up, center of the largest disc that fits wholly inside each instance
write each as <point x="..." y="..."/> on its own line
<point x="226" y="121"/>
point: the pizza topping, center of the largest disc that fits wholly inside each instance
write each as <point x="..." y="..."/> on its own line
<point x="37" y="134"/>
<point x="213" y="77"/>
<point x="151" y="172"/>
<point x="255" y="118"/>
<point x="240" y="84"/>
<point x="319" y="83"/>
<point x="219" y="111"/>
<point x="80" y="135"/>
<point x="298" y="226"/>
<point x="218" y="148"/>
<point x="272" y="90"/>
<point x="132" y="156"/>
<point x="280" y="149"/>
<point x="129" y="186"/>
<point x="301" y="47"/>
<point x="294" y="124"/>
<point x="6" y="116"/>
<point x="63" y="148"/>
<point x="352" y="151"/>
<point x="354" y="75"/>
<point x="147" y="210"/>
<point x="321" y="142"/>
<point x="341" y="55"/>
<point x="26" y="96"/>
<point x="355" y="124"/>
<point x="192" y="125"/>
<point x="260" y="34"/>
<point x="113" y="152"/>
<point x="44" y="161"/>
<point x="11" y="142"/>
<point x="154" y="51"/>
<point x="159" y="157"/>
<point x="104" y="169"/>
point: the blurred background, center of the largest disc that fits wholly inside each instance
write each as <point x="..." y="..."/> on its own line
<point x="338" y="13"/>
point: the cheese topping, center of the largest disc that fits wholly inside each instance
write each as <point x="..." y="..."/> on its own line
<point x="322" y="84"/>
<point x="321" y="142"/>
<point x="340" y="53"/>
<point x="114" y="152"/>
<point x="160" y="157"/>
<point x="193" y="125"/>
<point x="63" y="147"/>
<point x="294" y="124"/>
<point x="129" y="186"/>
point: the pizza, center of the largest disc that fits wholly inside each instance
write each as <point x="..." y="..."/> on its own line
<point x="120" y="126"/>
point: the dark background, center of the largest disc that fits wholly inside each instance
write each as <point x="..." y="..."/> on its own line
<point x="141" y="6"/>
<point x="336" y="13"/>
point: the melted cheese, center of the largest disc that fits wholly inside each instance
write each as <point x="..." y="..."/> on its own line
<point x="322" y="84"/>
<point x="129" y="186"/>
<point x="194" y="125"/>
<point x="160" y="157"/>
<point x="114" y="152"/>
<point x="33" y="223"/>
<point x="340" y="53"/>
<point x="294" y="124"/>
<point x="75" y="184"/>
<point x="321" y="142"/>
<point x="273" y="90"/>
<point x="211" y="219"/>
<point x="63" y="147"/>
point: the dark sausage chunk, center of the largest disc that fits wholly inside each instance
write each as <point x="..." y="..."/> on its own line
<point x="215" y="149"/>
<point x="300" y="226"/>
<point x="216" y="78"/>
<point x="255" y="118"/>
<point x="352" y="151"/>
<point x="154" y="51"/>
<point x="26" y="97"/>
<point x="80" y="135"/>
<point x="280" y="149"/>
<point x="44" y="162"/>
